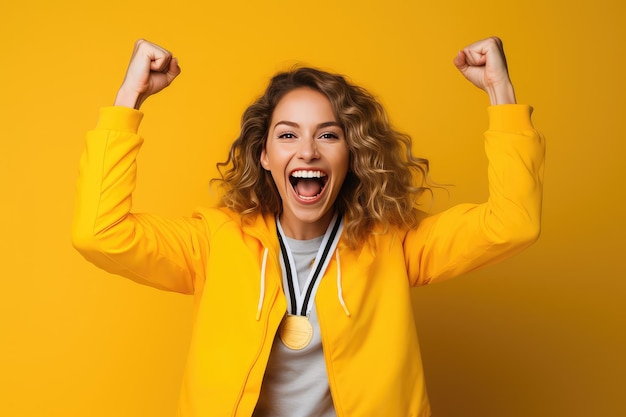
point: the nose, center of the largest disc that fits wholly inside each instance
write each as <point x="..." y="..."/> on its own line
<point x="307" y="149"/>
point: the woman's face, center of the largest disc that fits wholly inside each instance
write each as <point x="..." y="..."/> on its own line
<point x="308" y="157"/>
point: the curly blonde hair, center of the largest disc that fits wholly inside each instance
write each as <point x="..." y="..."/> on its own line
<point x="384" y="178"/>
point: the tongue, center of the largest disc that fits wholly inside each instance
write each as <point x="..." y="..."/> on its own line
<point x="308" y="188"/>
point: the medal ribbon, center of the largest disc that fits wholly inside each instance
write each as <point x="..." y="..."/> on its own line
<point x="329" y="243"/>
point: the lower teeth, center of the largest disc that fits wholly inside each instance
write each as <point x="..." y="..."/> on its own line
<point x="303" y="197"/>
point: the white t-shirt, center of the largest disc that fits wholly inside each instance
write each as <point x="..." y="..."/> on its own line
<point x="296" y="381"/>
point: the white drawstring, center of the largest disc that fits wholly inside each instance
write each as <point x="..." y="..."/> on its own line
<point x="262" y="285"/>
<point x="339" y="289"/>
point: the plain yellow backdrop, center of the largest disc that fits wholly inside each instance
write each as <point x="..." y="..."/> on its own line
<point x="542" y="334"/>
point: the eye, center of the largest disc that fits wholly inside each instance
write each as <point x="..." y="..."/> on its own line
<point x="329" y="135"/>
<point x="287" y="135"/>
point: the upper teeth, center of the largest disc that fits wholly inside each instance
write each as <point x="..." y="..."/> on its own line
<point x="308" y="174"/>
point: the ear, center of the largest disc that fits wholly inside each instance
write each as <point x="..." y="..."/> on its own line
<point x="265" y="161"/>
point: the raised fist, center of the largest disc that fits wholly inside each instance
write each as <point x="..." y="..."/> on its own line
<point x="150" y="70"/>
<point x="483" y="63"/>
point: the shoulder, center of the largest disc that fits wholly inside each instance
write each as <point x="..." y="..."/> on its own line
<point x="218" y="219"/>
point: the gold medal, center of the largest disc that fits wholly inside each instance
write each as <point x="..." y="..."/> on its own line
<point x="296" y="332"/>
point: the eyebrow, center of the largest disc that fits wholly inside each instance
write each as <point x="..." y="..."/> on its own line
<point x="319" y="126"/>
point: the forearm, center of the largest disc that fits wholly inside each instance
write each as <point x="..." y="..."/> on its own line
<point x="107" y="172"/>
<point x="515" y="151"/>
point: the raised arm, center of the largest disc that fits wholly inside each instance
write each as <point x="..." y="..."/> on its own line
<point x="163" y="253"/>
<point x="471" y="236"/>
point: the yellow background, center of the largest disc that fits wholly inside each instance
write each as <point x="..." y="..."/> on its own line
<point x="542" y="334"/>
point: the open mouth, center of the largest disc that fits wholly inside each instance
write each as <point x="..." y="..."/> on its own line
<point x="308" y="185"/>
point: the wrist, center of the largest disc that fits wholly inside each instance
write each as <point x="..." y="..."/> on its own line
<point x="128" y="99"/>
<point x="502" y="93"/>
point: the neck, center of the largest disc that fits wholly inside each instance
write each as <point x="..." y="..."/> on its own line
<point x="299" y="230"/>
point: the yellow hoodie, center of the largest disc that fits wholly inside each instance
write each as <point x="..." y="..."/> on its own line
<point x="371" y="348"/>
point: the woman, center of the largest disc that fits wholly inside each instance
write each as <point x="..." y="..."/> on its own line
<point x="302" y="276"/>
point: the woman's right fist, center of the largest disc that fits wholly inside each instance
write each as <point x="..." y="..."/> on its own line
<point x="150" y="70"/>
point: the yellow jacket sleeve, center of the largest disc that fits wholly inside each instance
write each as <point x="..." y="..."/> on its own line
<point x="163" y="253"/>
<point x="471" y="236"/>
